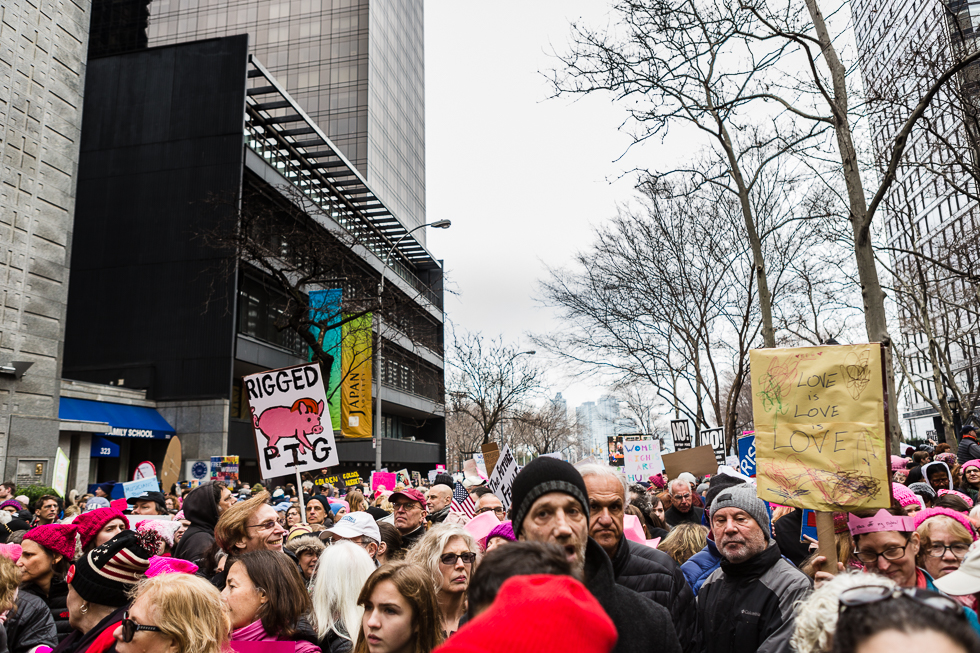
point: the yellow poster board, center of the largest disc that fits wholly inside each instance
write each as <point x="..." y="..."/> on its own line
<point x="820" y="434"/>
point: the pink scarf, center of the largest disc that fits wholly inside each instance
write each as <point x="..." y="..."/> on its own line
<point x="254" y="632"/>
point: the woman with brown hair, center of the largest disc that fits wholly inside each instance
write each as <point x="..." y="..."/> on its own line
<point x="400" y="612"/>
<point x="266" y="598"/>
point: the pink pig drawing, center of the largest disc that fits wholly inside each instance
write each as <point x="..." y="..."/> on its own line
<point x="302" y="419"/>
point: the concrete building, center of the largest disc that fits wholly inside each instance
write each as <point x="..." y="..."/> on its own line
<point x="901" y="46"/>
<point x="43" y="47"/>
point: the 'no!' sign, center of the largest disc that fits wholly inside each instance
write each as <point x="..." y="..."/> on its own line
<point x="291" y="420"/>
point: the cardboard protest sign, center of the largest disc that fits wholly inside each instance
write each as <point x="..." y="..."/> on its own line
<point x="491" y="453"/>
<point x="502" y="479"/>
<point x="746" y="455"/>
<point x="680" y="430"/>
<point x="641" y="457"/>
<point x="224" y="468"/>
<point x="820" y="433"/>
<point x="715" y="438"/>
<point x="59" y="479"/>
<point x="170" y="473"/>
<point x="290" y="420"/>
<point x="699" y="461"/>
<point x="138" y="487"/>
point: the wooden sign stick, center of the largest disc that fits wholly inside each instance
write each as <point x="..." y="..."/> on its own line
<point x="827" y="541"/>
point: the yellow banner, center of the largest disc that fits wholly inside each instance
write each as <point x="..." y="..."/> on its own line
<point x="820" y="435"/>
<point x="355" y="387"/>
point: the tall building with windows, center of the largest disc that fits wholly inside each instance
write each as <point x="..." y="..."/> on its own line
<point x="355" y="66"/>
<point x="902" y="47"/>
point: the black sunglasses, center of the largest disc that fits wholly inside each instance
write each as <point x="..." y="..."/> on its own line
<point x="866" y="594"/>
<point x="129" y="628"/>
<point x="449" y="559"/>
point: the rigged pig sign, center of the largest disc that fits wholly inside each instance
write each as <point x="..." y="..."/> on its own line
<point x="291" y="420"/>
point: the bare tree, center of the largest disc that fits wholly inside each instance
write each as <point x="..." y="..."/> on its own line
<point x="489" y="379"/>
<point x="544" y="429"/>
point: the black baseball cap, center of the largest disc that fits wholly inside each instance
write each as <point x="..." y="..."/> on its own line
<point x="148" y="496"/>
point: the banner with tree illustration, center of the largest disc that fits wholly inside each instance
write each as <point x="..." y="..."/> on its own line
<point x="820" y="434"/>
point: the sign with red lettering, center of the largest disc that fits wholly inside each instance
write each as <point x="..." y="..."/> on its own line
<point x="291" y="420"/>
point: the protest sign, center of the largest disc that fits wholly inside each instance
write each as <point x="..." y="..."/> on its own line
<point x="481" y="464"/>
<point x="290" y="420"/>
<point x="491" y="453"/>
<point x="641" y="457"/>
<point x="820" y="434"/>
<point x="416" y="479"/>
<point x="59" y="480"/>
<point x="808" y="526"/>
<point x="224" y="468"/>
<point x="171" y="465"/>
<point x="387" y="479"/>
<point x="145" y="469"/>
<point x="680" y="430"/>
<point x="432" y="475"/>
<point x="138" y="487"/>
<point x="715" y="438"/>
<point x="699" y="461"/>
<point x="404" y="477"/>
<point x="746" y="455"/>
<point x="502" y="479"/>
<point x="614" y="445"/>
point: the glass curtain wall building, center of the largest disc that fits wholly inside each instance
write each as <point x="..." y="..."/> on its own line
<point x="355" y="66"/>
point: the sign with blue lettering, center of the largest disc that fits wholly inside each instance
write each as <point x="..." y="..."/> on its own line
<point x="746" y="455"/>
<point x="138" y="487"/>
<point x="103" y="448"/>
<point x="809" y="526"/>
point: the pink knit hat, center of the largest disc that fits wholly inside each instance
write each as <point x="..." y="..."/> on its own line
<point x="164" y="565"/>
<point x="59" y="538"/>
<point x="91" y="522"/>
<point x="11" y="551"/>
<point x="956" y="493"/>
<point x="905" y="496"/>
<point x="898" y="462"/>
<point x="969" y="463"/>
<point x="923" y="515"/>
<point x="165" y="529"/>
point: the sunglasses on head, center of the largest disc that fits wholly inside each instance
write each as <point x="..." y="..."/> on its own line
<point x="449" y="559"/>
<point x="867" y="594"/>
<point x="129" y="628"/>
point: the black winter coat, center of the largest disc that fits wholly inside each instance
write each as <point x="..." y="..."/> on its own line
<point x="655" y="575"/>
<point x="673" y="516"/>
<point x="79" y="642"/>
<point x="57" y="601"/>
<point x="643" y="626"/>
<point x="748" y="607"/>
<point x="30" y="625"/>
<point x="201" y="510"/>
<point x="969" y="449"/>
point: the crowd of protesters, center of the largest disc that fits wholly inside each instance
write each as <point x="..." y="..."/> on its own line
<point x="578" y="560"/>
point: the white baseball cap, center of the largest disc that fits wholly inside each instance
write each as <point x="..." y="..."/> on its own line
<point x="965" y="580"/>
<point x="354" y="524"/>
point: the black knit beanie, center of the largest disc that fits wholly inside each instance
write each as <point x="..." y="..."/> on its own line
<point x="541" y="476"/>
<point x="106" y="573"/>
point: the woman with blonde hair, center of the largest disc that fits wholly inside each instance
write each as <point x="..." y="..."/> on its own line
<point x="356" y="501"/>
<point x="400" y="611"/>
<point x="340" y="574"/>
<point x="177" y="611"/>
<point x="450" y="554"/>
<point x="684" y="540"/>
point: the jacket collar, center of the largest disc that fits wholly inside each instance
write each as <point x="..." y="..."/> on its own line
<point x="622" y="556"/>
<point x="599" y="577"/>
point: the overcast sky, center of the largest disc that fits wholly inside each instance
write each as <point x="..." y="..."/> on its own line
<point x="523" y="178"/>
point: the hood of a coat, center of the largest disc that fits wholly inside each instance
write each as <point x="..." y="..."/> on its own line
<point x="200" y="507"/>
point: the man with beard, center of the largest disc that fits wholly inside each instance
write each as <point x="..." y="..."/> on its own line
<point x="551" y="505"/>
<point x="439" y="498"/>
<point x="747" y="603"/>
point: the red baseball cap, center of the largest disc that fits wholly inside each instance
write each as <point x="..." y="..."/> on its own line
<point x="411" y="494"/>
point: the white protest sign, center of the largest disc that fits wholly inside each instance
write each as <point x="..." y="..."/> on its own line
<point x="641" y="458"/>
<point x="481" y="464"/>
<point x="502" y="480"/>
<point x="135" y="488"/>
<point x="291" y="420"/>
<point x="715" y="438"/>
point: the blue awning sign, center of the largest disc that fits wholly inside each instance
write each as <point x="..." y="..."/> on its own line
<point x="102" y="448"/>
<point x="124" y="421"/>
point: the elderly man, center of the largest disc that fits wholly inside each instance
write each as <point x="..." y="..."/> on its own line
<point x="641" y="568"/>
<point x="683" y="510"/>
<point x="410" y="514"/>
<point x="551" y="505"/>
<point x="747" y="603"/>
<point x="490" y="502"/>
<point x="438" y="500"/>
<point x="148" y="503"/>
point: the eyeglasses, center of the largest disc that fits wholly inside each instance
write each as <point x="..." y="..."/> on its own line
<point x="959" y="550"/>
<point x="681" y="497"/>
<point x="892" y="554"/>
<point x="867" y="594"/>
<point x="266" y="526"/>
<point x="449" y="559"/>
<point x="498" y="510"/>
<point x="405" y="505"/>
<point x="129" y="628"/>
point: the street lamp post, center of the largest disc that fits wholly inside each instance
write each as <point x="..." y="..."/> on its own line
<point x="439" y="224"/>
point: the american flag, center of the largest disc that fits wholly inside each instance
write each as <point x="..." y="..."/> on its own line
<point x="462" y="501"/>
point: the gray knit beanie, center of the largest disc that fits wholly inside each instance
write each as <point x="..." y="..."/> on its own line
<point x="744" y="498"/>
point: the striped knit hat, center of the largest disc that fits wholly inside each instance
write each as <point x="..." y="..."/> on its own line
<point x="106" y="573"/>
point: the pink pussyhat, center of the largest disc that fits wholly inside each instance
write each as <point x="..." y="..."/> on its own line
<point x="163" y="565"/>
<point x="880" y="522"/>
<point x="905" y="496"/>
<point x="11" y="551"/>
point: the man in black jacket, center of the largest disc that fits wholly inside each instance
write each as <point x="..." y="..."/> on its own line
<point x="202" y="507"/>
<point x="748" y="603"/>
<point x="683" y="508"/>
<point x="969" y="448"/>
<point x="550" y="504"/>
<point x="641" y="568"/>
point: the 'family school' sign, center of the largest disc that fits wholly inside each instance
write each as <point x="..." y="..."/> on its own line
<point x="291" y="420"/>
